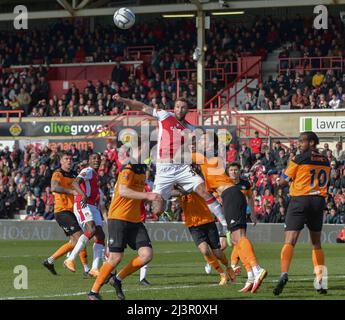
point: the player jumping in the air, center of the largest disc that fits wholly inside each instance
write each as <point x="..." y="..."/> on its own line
<point x="171" y="169"/>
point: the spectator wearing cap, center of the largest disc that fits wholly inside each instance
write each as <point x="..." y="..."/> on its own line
<point x="231" y="155"/>
<point x="255" y="145"/>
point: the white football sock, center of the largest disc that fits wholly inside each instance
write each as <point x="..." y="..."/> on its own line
<point x="256" y="270"/>
<point x="86" y="268"/>
<point x="143" y="272"/>
<point x="81" y="244"/>
<point x="217" y="210"/>
<point x="98" y="255"/>
<point x="250" y="275"/>
<point x="51" y="260"/>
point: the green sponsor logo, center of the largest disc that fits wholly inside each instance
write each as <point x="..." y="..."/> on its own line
<point x="308" y="124"/>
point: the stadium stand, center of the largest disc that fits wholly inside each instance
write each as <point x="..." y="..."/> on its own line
<point x="310" y="68"/>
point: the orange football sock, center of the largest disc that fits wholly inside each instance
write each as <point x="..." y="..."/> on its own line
<point x="246" y="250"/>
<point x="286" y="257"/>
<point x="224" y="260"/>
<point x="83" y="256"/>
<point x="105" y="271"/>
<point x="234" y="255"/>
<point x="133" y="265"/>
<point x="245" y="262"/>
<point x="67" y="247"/>
<point x="318" y="261"/>
<point x="213" y="262"/>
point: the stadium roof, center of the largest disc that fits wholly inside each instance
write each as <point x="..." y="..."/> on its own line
<point x="42" y="9"/>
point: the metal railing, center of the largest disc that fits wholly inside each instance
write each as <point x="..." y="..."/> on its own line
<point x="311" y="64"/>
<point x="15" y="112"/>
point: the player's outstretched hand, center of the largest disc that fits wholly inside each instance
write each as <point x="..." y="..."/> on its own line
<point x="153" y="196"/>
<point x="117" y="97"/>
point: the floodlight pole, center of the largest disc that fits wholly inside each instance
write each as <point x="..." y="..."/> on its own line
<point x="201" y="65"/>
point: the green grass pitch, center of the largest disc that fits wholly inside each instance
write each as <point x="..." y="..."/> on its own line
<point x="176" y="272"/>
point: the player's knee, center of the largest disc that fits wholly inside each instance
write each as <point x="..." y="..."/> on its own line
<point x="146" y="256"/>
<point x="114" y="259"/>
<point x="202" y="192"/>
<point x="316" y="244"/>
<point x="90" y="230"/>
<point x="205" y="251"/>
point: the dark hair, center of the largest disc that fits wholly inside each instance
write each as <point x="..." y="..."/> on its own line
<point x="181" y="99"/>
<point x="235" y="164"/>
<point x="64" y="153"/>
<point x="94" y="154"/>
<point x="311" y="136"/>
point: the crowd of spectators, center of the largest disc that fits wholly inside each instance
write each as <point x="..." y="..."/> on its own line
<point x="29" y="89"/>
<point x="311" y="79"/>
<point x="25" y="179"/>
<point x="298" y="91"/>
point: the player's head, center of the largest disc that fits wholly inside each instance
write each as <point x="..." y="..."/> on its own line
<point x="181" y="109"/>
<point x="66" y="161"/>
<point x="307" y="140"/>
<point x="234" y="170"/>
<point x="95" y="160"/>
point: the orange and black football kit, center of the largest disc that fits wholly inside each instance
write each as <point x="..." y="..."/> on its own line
<point x="63" y="203"/>
<point x="124" y="216"/>
<point x="309" y="175"/>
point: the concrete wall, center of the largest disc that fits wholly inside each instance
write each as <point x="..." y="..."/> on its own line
<point x="158" y="231"/>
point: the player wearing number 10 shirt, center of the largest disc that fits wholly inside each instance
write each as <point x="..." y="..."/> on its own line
<point x="309" y="175"/>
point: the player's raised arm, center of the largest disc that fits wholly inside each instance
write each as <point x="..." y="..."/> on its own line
<point x="133" y="104"/>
